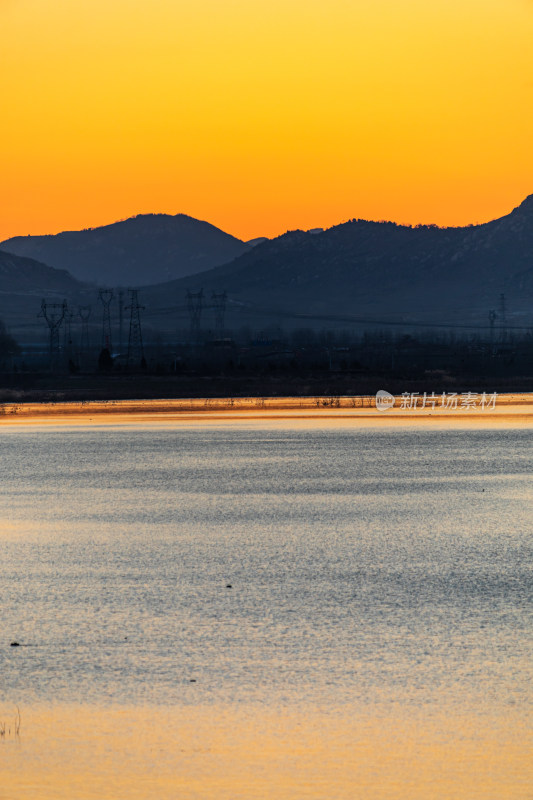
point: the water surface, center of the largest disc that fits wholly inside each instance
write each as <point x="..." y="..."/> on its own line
<point x="375" y="641"/>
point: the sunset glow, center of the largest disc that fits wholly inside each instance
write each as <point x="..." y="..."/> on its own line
<point x="264" y="755"/>
<point x="264" y="116"/>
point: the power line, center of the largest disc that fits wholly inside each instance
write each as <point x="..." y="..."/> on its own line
<point x="351" y="318"/>
<point x="373" y="321"/>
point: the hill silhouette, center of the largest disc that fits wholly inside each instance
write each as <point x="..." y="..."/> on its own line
<point x="19" y="275"/>
<point x="142" y="250"/>
<point x="357" y="271"/>
<point x="381" y="268"/>
<point x="24" y="282"/>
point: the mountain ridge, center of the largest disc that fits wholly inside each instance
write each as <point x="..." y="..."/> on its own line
<point x="138" y="251"/>
<point x="359" y="268"/>
<point x="384" y="267"/>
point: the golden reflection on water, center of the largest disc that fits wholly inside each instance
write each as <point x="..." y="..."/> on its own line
<point x="382" y="751"/>
<point x="511" y="408"/>
<point x="255" y="753"/>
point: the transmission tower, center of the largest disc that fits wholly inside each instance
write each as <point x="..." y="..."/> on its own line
<point x="502" y="313"/>
<point x="502" y="310"/>
<point x="54" y="314"/>
<point x="195" y="302"/>
<point x="120" y="319"/>
<point x="219" y="306"/>
<point x="84" y="314"/>
<point x="492" y="320"/>
<point x="67" y="331"/>
<point x="135" y="341"/>
<point x="105" y="296"/>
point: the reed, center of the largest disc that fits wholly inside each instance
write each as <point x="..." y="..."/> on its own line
<point x="11" y="729"/>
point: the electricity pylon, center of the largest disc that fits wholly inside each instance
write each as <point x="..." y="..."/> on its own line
<point x="67" y="332"/>
<point x="54" y="314"/>
<point x="135" y="341"/>
<point x="219" y="306"/>
<point x="84" y="314"/>
<point x="195" y="302"/>
<point x="106" y="296"/>
<point x="492" y="320"/>
<point x="502" y="313"/>
<point x="120" y="319"/>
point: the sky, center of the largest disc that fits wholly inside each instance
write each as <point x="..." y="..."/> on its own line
<point x="263" y="116"/>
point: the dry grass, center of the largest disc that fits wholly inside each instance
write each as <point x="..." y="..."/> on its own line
<point x="11" y="728"/>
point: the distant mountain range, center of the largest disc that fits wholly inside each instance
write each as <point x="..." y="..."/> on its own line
<point x="359" y="271"/>
<point x="380" y="270"/>
<point x="142" y="250"/>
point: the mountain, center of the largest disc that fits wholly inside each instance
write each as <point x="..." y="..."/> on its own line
<point x="379" y="270"/>
<point x="369" y="272"/>
<point x="30" y="277"/>
<point x="258" y="240"/>
<point x="147" y="249"/>
<point x="24" y="282"/>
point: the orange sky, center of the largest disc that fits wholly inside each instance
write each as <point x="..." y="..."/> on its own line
<point x="264" y="115"/>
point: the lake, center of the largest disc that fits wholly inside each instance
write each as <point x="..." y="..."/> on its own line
<point x="266" y="608"/>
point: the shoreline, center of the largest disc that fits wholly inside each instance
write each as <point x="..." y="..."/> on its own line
<point x="517" y="407"/>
